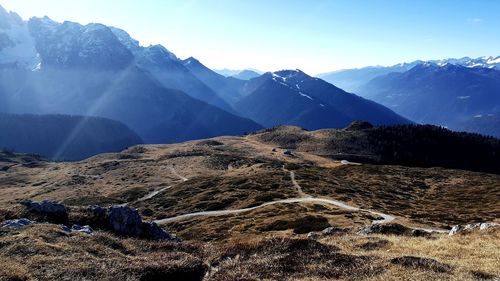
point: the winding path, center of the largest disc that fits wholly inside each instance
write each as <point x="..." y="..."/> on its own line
<point x="172" y="169"/>
<point x="157" y="191"/>
<point x="303" y="199"/>
<point x="386" y="218"/>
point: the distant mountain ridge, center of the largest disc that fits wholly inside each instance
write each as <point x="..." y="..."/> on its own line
<point x="169" y="70"/>
<point x="246" y="75"/>
<point x="225" y="87"/>
<point x="455" y="96"/>
<point x="295" y="98"/>
<point x="235" y="73"/>
<point x="352" y="79"/>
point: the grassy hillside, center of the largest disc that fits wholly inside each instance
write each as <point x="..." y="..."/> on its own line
<point x="409" y="145"/>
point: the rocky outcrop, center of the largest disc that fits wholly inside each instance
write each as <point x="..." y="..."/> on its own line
<point x="120" y="220"/>
<point x="468" y="228"/>
<point x="48" y="210"/>
<point x="127" y="221"/>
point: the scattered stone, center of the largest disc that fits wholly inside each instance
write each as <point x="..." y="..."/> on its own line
<point x="422" y="263"/>
<point x="332" y="230"/>
<point x="65" y="228"/>
<point x="312" y="235"/>
<point x="488" y="225"/>
<point x="462" y="229"/>
<point x="17" y="223"/>
<point x="82" y="229"/>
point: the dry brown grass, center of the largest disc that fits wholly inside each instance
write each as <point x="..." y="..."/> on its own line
<point x="288" y="259"/>
<point x="465" y="254"/>
<point x="427" y="196"/>
<point x="231" y="173"/>
<point x="280" y="219"/>
<point x="45" y="252"/>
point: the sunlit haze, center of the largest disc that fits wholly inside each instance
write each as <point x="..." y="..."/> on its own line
<point x="315" y="36"/>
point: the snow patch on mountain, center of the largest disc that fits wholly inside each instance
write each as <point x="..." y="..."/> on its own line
<point x="17" y="46"/>
<point x="306" y="96"/>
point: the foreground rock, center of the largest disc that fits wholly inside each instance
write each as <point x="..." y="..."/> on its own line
<point x="462" y="229"/>
<point x="127" y="221"/>
<point x="49" y="210"/>
<point x="120" y="220"/>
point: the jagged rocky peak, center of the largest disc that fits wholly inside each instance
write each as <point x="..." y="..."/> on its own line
<point x="191" y="60"/>
<point x="160" y="51"/>
<point x="125" y="38"/>
<point x="8" y="18"/>
<point x="73" y="45"/>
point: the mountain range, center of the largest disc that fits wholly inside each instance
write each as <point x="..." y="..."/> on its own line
<point x="455" y="96"/>
<point x="292" y="97"/>
<point x="47" y="67"/>
<point x="295" y="98"/>
<point x="352" y="79"/>
<point x="88" y="70"/>
<point x="96" y="70"/>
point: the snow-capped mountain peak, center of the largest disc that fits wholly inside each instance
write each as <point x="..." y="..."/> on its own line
<point x="17" y="46"/>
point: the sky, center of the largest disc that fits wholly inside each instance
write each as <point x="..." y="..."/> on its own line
<point x="315" y="36"/>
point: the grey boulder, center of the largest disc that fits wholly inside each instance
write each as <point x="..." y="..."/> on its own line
<point x="17" y="223"/>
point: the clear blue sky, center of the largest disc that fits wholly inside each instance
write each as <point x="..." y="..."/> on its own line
<point x="313" y="35"/>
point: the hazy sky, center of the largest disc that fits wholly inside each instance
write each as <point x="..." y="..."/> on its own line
<point x="313" y="35"/>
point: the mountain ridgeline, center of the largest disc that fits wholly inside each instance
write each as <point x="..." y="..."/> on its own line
<point x="63" y="137"/>
<point x="352" y="80"/>
<point x="89" y="70"/>
<point x="455" y="96"/>
<point x="293" y="97"/>
<point x="48" y="68"/>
